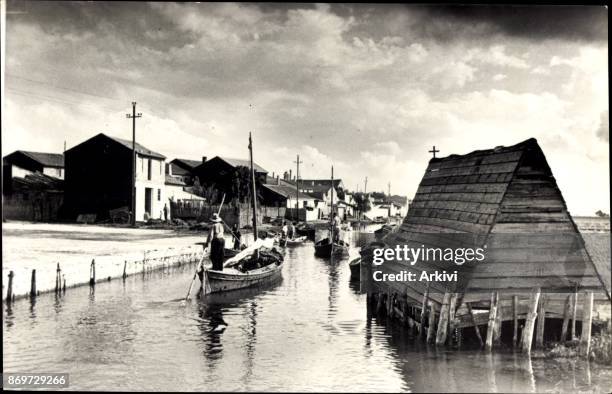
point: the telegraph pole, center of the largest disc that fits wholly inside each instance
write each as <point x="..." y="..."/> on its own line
<point x="389" y="188"/>
<point x="133" y="116"/>
<point x="365" y="186"/>
<point x="297" y="188"/>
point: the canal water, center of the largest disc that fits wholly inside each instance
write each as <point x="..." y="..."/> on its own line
<point x="307" y="332"/>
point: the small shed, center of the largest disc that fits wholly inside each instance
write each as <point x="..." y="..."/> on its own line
<point x="506" y="201"/>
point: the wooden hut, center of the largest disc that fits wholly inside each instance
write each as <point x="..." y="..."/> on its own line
<point x="507" y="201"/>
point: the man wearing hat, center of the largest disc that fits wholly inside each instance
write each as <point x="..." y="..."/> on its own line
<point x="217" y="243"/>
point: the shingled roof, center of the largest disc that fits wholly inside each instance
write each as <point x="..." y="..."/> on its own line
<point x="43" y="158"/>
<point x="506" y="198"/>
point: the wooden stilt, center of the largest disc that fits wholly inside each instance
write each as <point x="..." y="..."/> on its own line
<point x="491" y="325"/>
<point x="451" y="318"/>
<point x="527" y="335"/>
<point x="566" y="317"/>
<point x="515" y="320"/>
<point x="424" y="311"/>
<point x="9" y="291"/>
<point x="58" y="279"/>
<point x="574" y="315"/>
<point x="125" y="269"/>
<point x="389" y="304"/>
<point x="587" y="320"/>
<point x="431" y="330"/>
<point x="64" y="279"/>
<point x="33" y="284"/>
<point x="443" y="321"/>
<point x="498" y="324"/>
<point x="379" y="302"/>
<point x="469" y="306"/>
<point x="541" y="322"/>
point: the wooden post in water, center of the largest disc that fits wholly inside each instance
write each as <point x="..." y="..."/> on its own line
<point x="389" y="304"/>
<point x="515" y="320"/>
<point x="587" y="320"/>
<point x="33" y="284"/>
<point x="541" y="322"/>
<point x="498" y="324"/>
<point x="491" y="325"/>
<point x="527" y="335"/>
<point x="469" y="306"/>
<point x="443" y="321"/>
<point x="566" y="317"/>
<point x="574" y="315"/>
<point x="451" y="317"/>
<point x="124" y="269"/>
<point x="379" y="302"/>
<point x="9" y="291"/>
<point x="424" y="311"/>
<point x="58" y="279"/>
<point x="431" y="330"/>
<point x="92" y="273"/>
<point x="64" y="278"/>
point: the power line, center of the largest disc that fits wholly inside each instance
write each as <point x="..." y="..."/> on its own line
<point x="60" y="87"/>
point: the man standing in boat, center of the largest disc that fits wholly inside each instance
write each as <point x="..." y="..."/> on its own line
<point x="336" y="225"/>
<point x="217" y="243"/>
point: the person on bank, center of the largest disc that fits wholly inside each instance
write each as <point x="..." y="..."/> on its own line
<point x="217" y="243"/>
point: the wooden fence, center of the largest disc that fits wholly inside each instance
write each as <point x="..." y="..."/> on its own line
<point x="239" y="214"/>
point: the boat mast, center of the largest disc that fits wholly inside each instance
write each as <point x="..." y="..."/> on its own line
<point x="331" y="215"/>
<point x="254" y="193"/>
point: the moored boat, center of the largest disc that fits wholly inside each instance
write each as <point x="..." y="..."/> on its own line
<point x="295" y="241"/>
<point x="257" y="265"/>
<point x="355" y="265"/>
<point x="324" y="248"/>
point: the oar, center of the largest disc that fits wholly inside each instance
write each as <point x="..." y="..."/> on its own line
<point x="195" y="274"/>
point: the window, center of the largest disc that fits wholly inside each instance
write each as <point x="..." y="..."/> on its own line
<point x="158" y="194"/>
<point x="305" y="204"/>
<point x="149" y="169"/>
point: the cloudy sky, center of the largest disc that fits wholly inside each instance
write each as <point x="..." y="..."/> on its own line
<point x="367" y="88"/>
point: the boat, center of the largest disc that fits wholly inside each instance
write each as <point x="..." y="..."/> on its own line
<point x="355" y="266"/>
<point x="306" y="229"/>
<point x="324" y="248"/>
<point x="384" y="230"/>
<point x="295" y="241"/>
<point x="257" y="265"/>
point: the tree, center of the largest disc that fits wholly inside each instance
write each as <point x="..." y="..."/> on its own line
<point x="602" y="214"/>
<point x="362" y="201"/>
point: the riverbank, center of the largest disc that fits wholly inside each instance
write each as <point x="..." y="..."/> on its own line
<point x="41" y="246"/>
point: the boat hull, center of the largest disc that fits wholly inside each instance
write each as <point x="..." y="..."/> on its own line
<point x="355" y="266"/>
<point x="230" y="279"/>
<point x="324" y="248"/>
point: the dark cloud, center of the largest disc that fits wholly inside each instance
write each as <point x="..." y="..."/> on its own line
<point x="534" y="22"/>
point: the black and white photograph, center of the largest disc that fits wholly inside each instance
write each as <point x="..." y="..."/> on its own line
<point x="305" y="197"/>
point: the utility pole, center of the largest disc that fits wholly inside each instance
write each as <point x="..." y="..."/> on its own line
<point x="297" y="188"/>
<point x="365" y="186"/>
<point x="133" y="116"/>
<point x="389" y="188"/>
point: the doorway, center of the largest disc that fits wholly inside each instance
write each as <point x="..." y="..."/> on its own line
<point x="148" y="200"/>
